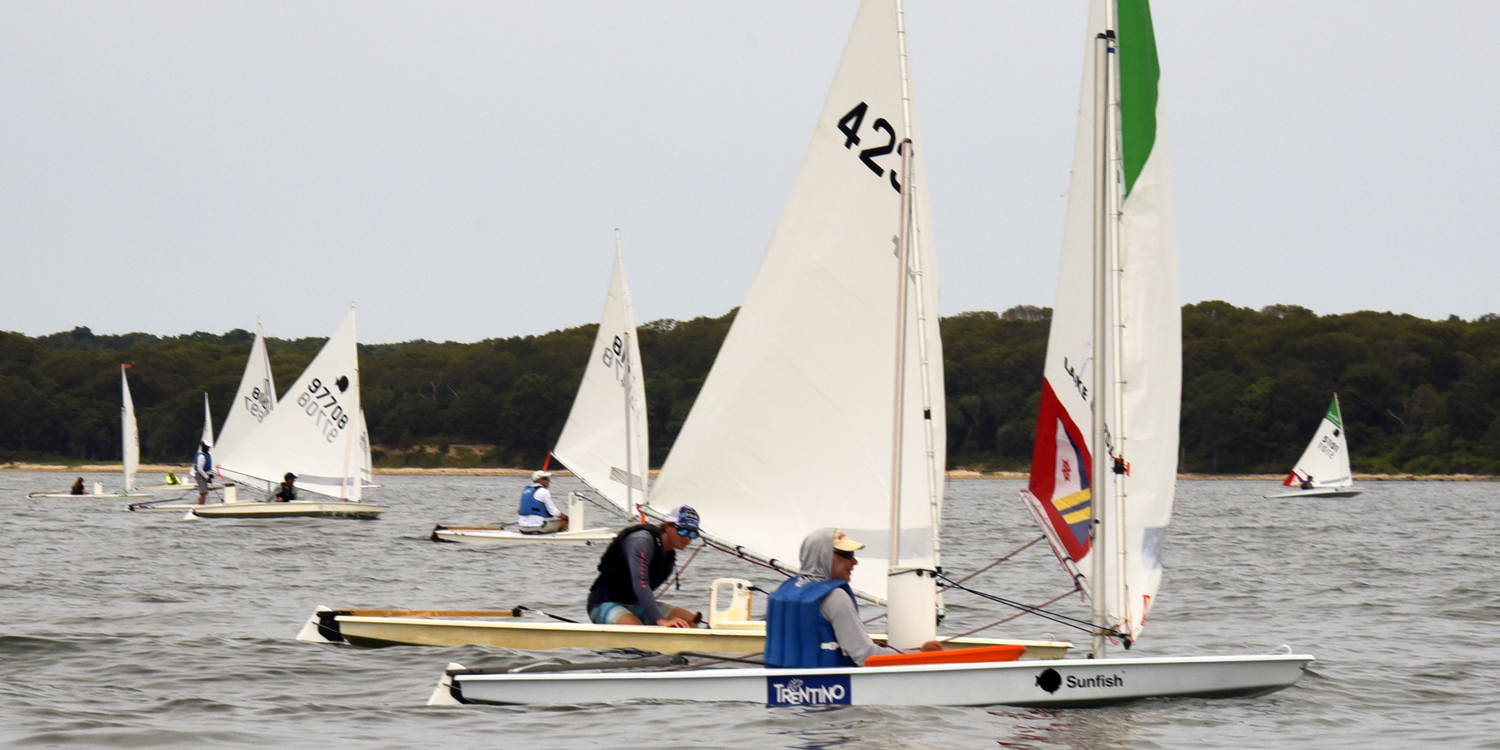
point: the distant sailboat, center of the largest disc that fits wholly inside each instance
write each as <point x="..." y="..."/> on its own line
<point x="1323" y="470"/>
<point x="130" y="450"/>
<point x="604" y="442"/>
<point x="319" y="440"/>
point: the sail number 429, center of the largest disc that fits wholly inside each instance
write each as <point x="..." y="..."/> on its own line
<point x="850" y="124"/>
<point x="328" y="417"/>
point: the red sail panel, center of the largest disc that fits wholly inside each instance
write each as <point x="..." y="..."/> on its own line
<point x="1060" y="480"/>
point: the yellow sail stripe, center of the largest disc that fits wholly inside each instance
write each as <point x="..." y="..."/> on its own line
<point x="1067" y="501"/>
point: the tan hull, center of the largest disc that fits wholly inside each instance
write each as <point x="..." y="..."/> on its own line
<point x="418" y="631"/>
<point x="294" y="509"/>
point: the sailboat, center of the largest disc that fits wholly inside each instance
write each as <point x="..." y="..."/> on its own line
<point x="1125" y="249"/>
<point x="1323" y="470"/>
<point x="812" y="379"/>
<point x="130" y="449"/>
<point x="253" y="402"/>
<point x="604" y="442"/>
<point x="320" y="441"/>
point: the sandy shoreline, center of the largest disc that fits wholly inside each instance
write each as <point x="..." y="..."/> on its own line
<point x="955" y="474"/>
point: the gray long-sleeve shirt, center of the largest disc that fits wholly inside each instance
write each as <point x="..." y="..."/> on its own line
<point x="838" y="608"/>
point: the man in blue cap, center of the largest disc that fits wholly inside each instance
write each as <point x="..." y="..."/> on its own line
<point x="640" y="559"/>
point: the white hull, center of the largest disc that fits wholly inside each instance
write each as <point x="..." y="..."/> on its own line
<point x="332" y="626"/>
<point x="294" y="509"/>
<point x="1317" y="492"/>
<point x="1057" y="684"/>
<point x="503" y="537"/>
<point x="69" y="496"/>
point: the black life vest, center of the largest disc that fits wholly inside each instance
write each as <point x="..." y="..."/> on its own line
<point x="614" y="584"/>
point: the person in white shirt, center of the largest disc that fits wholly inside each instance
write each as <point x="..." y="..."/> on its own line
<point x="539" y="515"/>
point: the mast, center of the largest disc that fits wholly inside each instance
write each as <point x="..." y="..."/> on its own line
<point x="1100" y="404"/>
<point x="626" y="383"/>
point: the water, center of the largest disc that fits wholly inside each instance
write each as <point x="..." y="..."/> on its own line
<point x="124" y="629"/>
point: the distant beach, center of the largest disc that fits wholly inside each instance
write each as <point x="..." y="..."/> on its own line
<point x="182" y="469"/>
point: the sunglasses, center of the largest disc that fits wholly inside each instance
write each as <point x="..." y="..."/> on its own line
<point x="689" y="533"/>
<point x="846" y="554"/>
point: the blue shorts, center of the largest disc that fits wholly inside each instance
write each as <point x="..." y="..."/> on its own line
<point x="609" y="613"/>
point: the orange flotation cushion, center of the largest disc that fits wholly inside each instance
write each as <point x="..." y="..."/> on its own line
<point x="956" y="656"/>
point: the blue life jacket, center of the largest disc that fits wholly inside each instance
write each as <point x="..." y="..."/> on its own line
<point x="797" y="634"/>
<point x="208" y="463"/>
<point x="530" y="506"/>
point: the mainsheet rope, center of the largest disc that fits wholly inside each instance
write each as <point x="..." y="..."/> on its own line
<point x="1065" y="620"/>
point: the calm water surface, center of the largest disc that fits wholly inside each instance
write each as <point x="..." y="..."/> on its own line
<point x="125" y="629"/>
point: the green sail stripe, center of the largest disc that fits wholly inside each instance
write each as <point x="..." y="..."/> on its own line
<point x="1333" y="414"/>
<point x="1139" y="73"/>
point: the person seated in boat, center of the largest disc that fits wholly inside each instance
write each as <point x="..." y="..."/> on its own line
<point x="287" y="490"/>
<point x="539" y="515"/>
<point x="1307" y="483"/>
<point x="77" y="487"/>
<point x="640" y="559"/>
<point x="203" y="471"/>
<point x="809" y="623"/>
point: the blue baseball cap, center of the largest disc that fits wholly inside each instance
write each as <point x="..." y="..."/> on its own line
<point x="684" y="517"/>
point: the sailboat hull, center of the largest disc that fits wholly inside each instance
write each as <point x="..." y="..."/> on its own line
<point x="1070" y="683"/>
<point x="70" y="496"/>
<point x="1317" y="492"/>
<point x="294" y="509"/>
<point x="328" y="626"/>
<point x="490" y="537"/>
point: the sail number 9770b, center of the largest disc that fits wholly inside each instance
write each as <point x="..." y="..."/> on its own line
<point x="330" y="418"/>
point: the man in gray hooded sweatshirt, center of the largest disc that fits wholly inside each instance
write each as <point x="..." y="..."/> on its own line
<point x="808" y="623"/>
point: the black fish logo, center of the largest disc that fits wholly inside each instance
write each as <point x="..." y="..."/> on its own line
<point x="1049" y="680"/>
<point x="342" y="383"/>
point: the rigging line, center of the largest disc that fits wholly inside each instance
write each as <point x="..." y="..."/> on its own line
<point x="750" y="560"/>
<point x="1072" y="622"/>
<point x="1001" y="560"/>
<point x="679" y="572"/>
<point x="1047" y="603"/>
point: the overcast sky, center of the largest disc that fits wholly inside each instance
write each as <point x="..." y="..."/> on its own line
<point x="457" y="169"/>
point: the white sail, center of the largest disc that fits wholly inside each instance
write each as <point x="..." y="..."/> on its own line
<point x="1142" y="339"/>
<point x="317" y="435"/>
<point x="1325" y="463"/>
<point x="367" y="462"/>
<point x="130" y="436"/>
<point x="792" y="430"/>
<point x="604" y="441"/>
<point x="208" y="424"/>
<point x="253" y="401"/>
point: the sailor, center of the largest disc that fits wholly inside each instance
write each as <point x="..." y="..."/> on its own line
<point x="809" y="623"/>
<point x="1307" y="483"/>
<point x="640" y="558"/>
<point x="538" y="513"/>
<point x="78" y="488"/>
<point x="287" y="490"/>
<point x="203" y="471"/>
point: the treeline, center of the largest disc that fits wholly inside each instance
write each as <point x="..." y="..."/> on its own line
<point x="1418" y="396"/>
